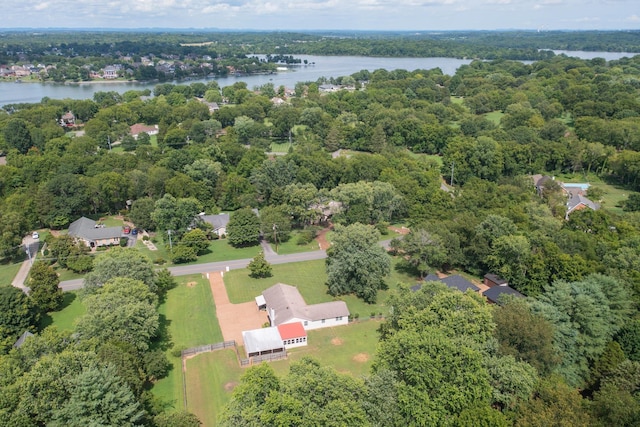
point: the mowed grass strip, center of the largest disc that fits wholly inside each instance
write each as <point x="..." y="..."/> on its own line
<point x="190" y="317"/>
<point x="211" y="378"/>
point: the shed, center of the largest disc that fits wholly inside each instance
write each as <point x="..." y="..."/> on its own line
<point x="258" y="342"/>
<point x="293" y="335"/>
<point x="261" y="303"/>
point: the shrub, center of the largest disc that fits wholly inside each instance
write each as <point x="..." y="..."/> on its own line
<point x="383" y="227"/>
<point x="159" y="261"/>
<point x="145" y="238"/>
<point x="81" y="264"/>
<point x="182" y="254"/>
<point x="306" y="236"/>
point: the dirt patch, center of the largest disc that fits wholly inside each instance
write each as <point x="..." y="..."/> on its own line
<point x="399" y="230"/>
<point x="361" y="357"/>
<point x="191" y="284"/>
<point x="230" y="386"/>
<point x="336" y="341"/>
<point x="321" y="238"/>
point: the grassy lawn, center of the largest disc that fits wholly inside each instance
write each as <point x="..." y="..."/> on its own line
<point x="219" y="250"/>
<point x="64" y="319"/>
<point x="310" y="278"/>
<point x="210" y="381"/>
<point x="494" y="117"/>
<point x="292" y="247"/>
<point x="8" y="272"/>
<point x="280" y="147"/>
<point x="347" y="349"/>
<point x="64" y="274"/>
<point x="189" y="314"/>
<point x="212" y="376"/>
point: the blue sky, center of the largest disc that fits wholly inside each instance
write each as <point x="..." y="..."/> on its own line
<point x="326" y="14"/>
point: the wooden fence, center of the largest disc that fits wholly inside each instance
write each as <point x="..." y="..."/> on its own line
<point x="207" y="348"/>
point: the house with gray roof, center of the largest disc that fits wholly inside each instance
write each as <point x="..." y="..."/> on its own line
<point x="284" y="304"/>
<point x="22" y="339"/>
<point x="217" y="222"/>
<point x="94" y="235"/>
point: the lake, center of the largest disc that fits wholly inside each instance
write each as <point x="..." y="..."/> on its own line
<point x="319" y="66"/>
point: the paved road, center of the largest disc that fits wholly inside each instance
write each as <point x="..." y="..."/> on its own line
<point x="184" y="270"/>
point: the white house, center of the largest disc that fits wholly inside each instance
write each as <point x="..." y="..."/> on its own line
<point x="284" y="304"/>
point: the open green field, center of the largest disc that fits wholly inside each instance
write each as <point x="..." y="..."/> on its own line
<point x="309" y="277"/>
<point x="189" y="314"/>
<point x="211" y="377"/>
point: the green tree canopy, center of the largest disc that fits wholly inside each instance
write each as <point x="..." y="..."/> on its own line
<point x="243" y="228"/>
<point x="356" y="263"/>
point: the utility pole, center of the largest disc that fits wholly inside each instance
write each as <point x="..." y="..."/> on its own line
<point x="109" y="142"/>
<point x="170" y="245"/>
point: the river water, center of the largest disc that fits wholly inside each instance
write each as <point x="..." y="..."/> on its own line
<point x="319" y="66"/>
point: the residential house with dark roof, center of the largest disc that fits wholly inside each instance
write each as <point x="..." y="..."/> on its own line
<point x="493" y="294"/>
<point x="454" y="281"/>
<point x="93" y="234"/>
<point x="284" y="304"/>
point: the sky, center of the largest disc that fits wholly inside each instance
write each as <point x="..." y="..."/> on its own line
<point x="291" y="15"/>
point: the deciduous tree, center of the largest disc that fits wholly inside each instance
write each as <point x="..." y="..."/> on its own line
<point x="356" y="263"/>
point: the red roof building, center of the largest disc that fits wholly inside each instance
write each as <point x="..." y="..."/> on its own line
<point x="292" y="334"/>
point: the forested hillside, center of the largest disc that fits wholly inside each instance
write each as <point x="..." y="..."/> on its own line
<point x="452" y="157"/>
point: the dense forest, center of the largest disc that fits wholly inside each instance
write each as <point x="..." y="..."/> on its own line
<point x="568" y="354"/>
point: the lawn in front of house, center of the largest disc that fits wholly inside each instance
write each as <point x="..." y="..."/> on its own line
<point x="189" y="314"/>
<point x="291" y="246"/>
<point x="219" y="250"/>
<point x="310" y="278"/>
